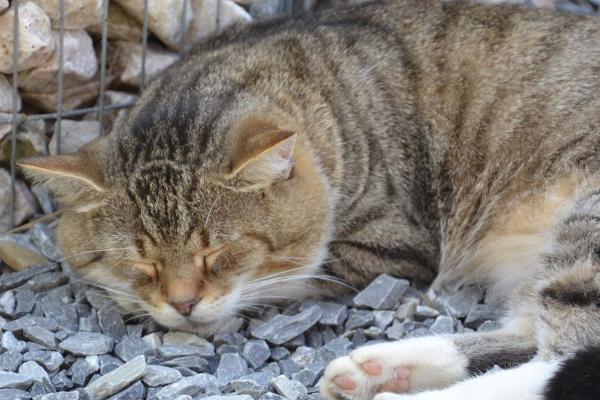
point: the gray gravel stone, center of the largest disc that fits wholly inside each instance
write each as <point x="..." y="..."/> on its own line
<point x="197" y="364"/>
<point x="12" y="280"/>
<point x="332" y="313"/>
<point x="179" y="338"/>
<point x="285" y="387"/>
<point x="460" y="303"/>
<point x="116" y="380"/>
<point x="289" y="367"/>
<point x="442" y="325"/>
<point x="309" y="375"/>
<point x="271" y="396"/>
<point x="254" y="385"/>
<point x="44" y="239"/>
<point x="40" y="388"/>
<point x="41" y="336"/>
<point x="481" y="313"/>
<point x="359" y="319"/>
<point x="11" y="380"/>
<point x="279" y="353"/>
<point x="131" y="347"/>
<point x="60" y="396"/>
<point x="407" y="310"/>
<point x="57" y="306"/>
<point x="46" y="281"/>
<point x="134" y="392"/>
<point x="34" y="371"/>
<point x="87" y="343"/>
<point x="10" y="343"/>
<point x="61" y="381"/>
<point x="50" y="360"/>
<point x="231" y="366"/>
<point x="184" y="350"/>
<point x="158" y="375"/>
<point x="89" y="323"/>
<point x="7" y="304"/>
<point x="10" y="361"/>
<point x="283" y="328"/>
<point x="110" y="320"/>
<point x="26" y="300"/>
<point x="108" y="363"/>
<point x="382" y="294"/>
<point x="193" y="385"/>
<point x="304" y="355"/>
<point x="424" y="312"/>
<point x="83" y="368"/>
<point x="153" y="340"/>
<point x="229" y="397"/>
<point x="383" y="319"/>
<point x="256" y="352"/>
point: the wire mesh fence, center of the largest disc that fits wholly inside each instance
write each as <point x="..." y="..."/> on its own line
<point x="15" y="118"/>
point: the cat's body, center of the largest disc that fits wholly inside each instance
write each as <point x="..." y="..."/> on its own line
<point x="410" y="137"/>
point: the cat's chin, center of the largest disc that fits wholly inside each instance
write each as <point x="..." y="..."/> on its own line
<point x="199" y="328"/>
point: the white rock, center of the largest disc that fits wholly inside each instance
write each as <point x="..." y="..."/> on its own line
<point x="79" y="65"/>
<point x="74" y="135"/>
<point x="3" y="5"/>
<point x="117" y="379"/>
<point x="164" y="17"/>
<point x="205" y="17"/>
<point x="6" y="103"/>
<point x="129" y="61"/>
<point x="36" y="42"/>
<point x="25" y="205"/>
<point x="120" y="25"/>
<point x="78" y="13"/>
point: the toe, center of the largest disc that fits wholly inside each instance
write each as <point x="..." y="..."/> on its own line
<point x="345" y="383"/>
<point x="396" y="386"/>
<point x="372" y="368"/>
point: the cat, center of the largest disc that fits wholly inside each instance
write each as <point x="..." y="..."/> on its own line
<point x="443" y="142"/>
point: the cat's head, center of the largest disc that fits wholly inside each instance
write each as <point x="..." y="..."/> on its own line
<point x="192" y="241"/>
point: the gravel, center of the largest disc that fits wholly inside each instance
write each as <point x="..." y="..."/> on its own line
<point x="61" y="339"/>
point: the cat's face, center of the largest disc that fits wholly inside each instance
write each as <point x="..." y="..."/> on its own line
<point x="193" y="248"/>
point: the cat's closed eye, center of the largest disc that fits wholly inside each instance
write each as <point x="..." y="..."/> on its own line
<point x="206" y="258"/>
<point x="149" y="269"/>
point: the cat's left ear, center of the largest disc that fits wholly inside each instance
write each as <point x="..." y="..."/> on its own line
<point x="263" y="153"/>
<point x="73" y="177"/>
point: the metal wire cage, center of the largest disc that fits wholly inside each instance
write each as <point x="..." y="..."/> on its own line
<point x="285" y="7"/>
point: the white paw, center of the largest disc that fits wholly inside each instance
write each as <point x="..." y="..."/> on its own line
<point x="393" y="396"/>
<point x="407" y="365"/>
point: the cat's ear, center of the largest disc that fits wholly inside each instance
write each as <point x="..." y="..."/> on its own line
<point x="263" y="154"/>
<point x="72" y="177"/>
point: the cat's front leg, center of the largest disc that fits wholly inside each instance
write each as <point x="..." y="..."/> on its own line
<point x="412" y="364"/>
<point x="526" y="382"/>
<point x="423" y="363"/>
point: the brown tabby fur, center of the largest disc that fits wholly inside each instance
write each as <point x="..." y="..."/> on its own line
<point x="429" y="139"/>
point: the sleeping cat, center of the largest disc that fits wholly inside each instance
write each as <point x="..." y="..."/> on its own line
<point x="418" y="138"/>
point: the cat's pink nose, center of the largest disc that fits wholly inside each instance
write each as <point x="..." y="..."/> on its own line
<point x="184" y="308"/>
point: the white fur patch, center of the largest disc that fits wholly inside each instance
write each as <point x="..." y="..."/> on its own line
<point x="434" y="362"/>
<point x="526" y="382"/>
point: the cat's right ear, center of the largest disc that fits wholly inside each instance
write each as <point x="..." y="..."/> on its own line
<point x="73" y="178"/>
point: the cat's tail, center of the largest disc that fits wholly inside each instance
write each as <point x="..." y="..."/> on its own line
<point x="578" y="377"/>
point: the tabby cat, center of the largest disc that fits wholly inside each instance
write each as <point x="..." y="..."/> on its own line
<point x="442" y="142"/>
